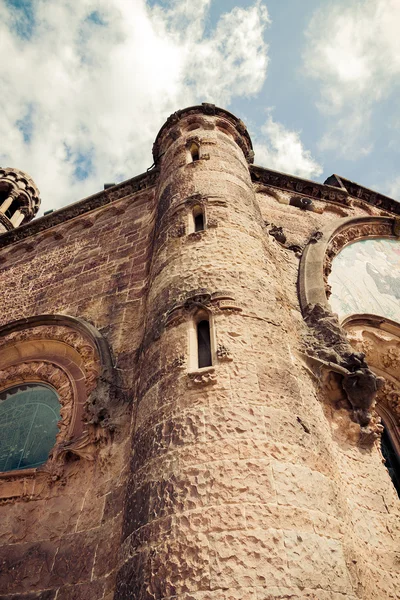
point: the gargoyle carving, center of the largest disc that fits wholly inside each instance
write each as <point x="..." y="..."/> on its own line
<point x="327" y="349"/>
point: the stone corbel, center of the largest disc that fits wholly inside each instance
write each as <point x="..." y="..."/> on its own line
<point x="202" y="377"/>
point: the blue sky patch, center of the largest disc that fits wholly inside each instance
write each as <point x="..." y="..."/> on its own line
<point x="25" y="125"/>
<point x="23" y="17"/>
<point x="83" y="165"/>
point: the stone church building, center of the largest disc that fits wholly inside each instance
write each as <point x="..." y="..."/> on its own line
<point x="200" y="382"/>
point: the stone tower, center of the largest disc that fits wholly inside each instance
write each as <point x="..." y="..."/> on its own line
<point x="218" y="437"/>
<point x="19" y="198"/>
<point x="237" y="484"/>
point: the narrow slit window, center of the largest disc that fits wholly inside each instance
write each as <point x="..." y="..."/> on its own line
<point x="198" y="217"/>
<point x="199" y="222"/>
<point x="195" y="152"/>
<point x="204" y="344"/>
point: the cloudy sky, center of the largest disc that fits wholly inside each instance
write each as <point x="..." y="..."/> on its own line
<point x="85" y="85"/>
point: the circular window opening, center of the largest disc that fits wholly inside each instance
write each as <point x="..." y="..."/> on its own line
<point x="29" y="414"/>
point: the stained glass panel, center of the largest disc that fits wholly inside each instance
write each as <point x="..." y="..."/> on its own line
<point x="28" y="425"/>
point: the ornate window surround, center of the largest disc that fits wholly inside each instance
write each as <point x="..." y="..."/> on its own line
<point x="330" y="347"/>
<point x="324" y="245"/>
<point x="73" y="358"/>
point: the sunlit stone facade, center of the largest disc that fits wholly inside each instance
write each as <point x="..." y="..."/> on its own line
<point x="219" y="433"/>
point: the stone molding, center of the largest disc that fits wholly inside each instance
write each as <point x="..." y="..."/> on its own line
<point x="336" y="190"/>
<point x="324" y="245"/>
<point x="202" y="377"/>
<point x="201" y="299"/>
<point x="303" y="187"/>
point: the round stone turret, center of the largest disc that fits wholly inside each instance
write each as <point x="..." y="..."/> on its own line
<point x="19" y="198"/>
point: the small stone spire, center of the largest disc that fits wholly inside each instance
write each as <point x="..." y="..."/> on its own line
<point x="19" y="198"/>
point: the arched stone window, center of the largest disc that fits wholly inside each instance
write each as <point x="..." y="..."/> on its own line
<point x="199" y="219"/>
<point x="201" y="340"/>
<point x="194" y="150"/>
<point x="53" y="371"/>
<point x="379" y="340"/>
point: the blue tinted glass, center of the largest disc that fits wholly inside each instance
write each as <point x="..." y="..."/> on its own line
<point x="28" y="425"/>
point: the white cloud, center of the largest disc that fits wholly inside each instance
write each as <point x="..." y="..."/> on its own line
<point x="282" y="150"/>
<point x="86" y="92"/>
<point x="393" y="188"/>
<point x="353" y="51"/>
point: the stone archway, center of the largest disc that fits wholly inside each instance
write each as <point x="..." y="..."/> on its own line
<point x="329" y="349"/>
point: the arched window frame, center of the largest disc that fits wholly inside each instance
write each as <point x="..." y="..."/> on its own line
<point x="193" y="150"/>
<point x="70" y="356"/>
<point x="379" y="339"/>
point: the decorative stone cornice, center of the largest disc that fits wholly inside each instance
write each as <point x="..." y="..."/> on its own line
<point x="362" y="193"/>
<point x="121" y="190"/>
<point x="303" y="187"/>
<point x="335" y="189"/>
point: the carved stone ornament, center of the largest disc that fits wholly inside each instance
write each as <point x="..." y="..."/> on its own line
<point x="202" y="377"/>
<point x="176" y="231"/>
<point x="359" y="231"/>
<point x="201" y="299"/>
<point x="310" y="189"/>
<point x="377" y="338"/>
<point x="68" y="361"/>
<point x="342" y="371"/>
<point x="223" y="353"/>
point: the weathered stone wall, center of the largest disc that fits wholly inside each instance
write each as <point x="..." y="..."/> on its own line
<point x="368" y="509"/>
<point x="240" y="487"/>
<point x="62" y="540"/>
<point x="233" y="482"/>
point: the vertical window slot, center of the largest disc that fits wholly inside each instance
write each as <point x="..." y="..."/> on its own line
<point x="204" y="344"/>
<point x="195" y="152"/>
<point x="198" y="219"/>
<point x="199" y="222"/>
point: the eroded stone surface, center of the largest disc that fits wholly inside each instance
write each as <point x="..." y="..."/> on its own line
<point x="237" y="483"/>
